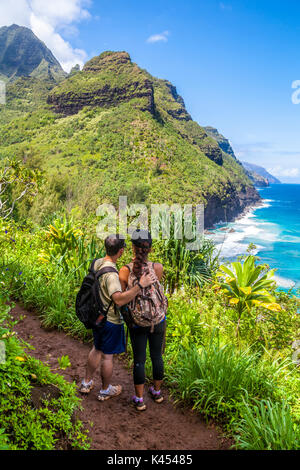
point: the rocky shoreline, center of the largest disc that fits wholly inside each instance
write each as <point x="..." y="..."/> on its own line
<point x="234" y="206"/>
<point x="246" y="211"/>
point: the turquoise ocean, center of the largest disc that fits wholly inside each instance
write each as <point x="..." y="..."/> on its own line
<point x="274" y="228"/>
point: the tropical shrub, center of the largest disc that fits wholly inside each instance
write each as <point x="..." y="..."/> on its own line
<point x="246" y="286"/>
<point x="184" y="267"/>
<point x="65" y="246"/>
<point x="16" y="183"/>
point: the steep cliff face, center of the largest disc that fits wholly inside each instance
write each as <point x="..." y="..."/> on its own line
<point x="222" y="141"/>
<point x="226" y="209"/>
<point x="258" y="180"/>
<point x="22" y="54"/>
<point x="105" y="81"/>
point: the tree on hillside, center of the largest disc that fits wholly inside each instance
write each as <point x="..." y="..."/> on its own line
<point x="16" y="182"/>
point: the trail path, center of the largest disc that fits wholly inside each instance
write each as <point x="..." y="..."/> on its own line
<point x="116" y="424"/>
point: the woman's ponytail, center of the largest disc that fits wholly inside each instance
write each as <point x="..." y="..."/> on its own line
<point x="142" y="242"/>
<point x="141" y="254"/>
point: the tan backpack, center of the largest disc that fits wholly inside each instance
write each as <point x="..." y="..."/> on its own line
<point x="150" y="306"/>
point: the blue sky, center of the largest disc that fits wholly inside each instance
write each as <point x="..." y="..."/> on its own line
<point x="233" y="62"/>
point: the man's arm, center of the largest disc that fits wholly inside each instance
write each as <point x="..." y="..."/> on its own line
<point x="122" y="298"/>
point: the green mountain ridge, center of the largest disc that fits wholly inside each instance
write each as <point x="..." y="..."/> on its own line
<point x="113" y="129"/>
<point x="23" y="54"/>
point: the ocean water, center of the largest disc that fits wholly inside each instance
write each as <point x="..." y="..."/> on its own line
<point x="275" y="230"/>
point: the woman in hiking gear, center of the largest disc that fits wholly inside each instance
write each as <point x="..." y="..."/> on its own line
<point x="148" y="315"/>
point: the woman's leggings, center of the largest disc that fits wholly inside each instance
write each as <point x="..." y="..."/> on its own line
<point x="139" y="336"/>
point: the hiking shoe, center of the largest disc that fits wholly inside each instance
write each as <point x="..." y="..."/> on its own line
<point x="112" y="391"/>
<point x="156" y="395"/>
<point x="85" y="388"/>
<point x="138" y="403"/>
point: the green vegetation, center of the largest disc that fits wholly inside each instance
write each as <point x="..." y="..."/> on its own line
<point x="268" y="426"/>
<point x="228" y="378"/>
<point x="246" y="286"/>
<point x="113" y="129"/>
<point x="36" y="406"/>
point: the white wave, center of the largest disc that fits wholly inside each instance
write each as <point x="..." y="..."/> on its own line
<point x="232" y="244"/>
<point x="252" y="230"/>
<point x="284" y="282"/>
<point x="264" y="204"/>
<point x="290" y="239"/>
<point x="231" y="250"/>
<point x="248" y="228"/>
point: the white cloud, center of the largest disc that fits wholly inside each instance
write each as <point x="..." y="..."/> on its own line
<point x="48" y="20"/>
<point x="286" y="172"/>
<point x="159" y="37"/>
<point x="225" y="6"/>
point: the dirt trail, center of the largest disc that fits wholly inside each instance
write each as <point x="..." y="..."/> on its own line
<point x="116" y="424"/>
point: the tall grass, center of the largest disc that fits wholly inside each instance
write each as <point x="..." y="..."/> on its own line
<point x="215" y="379"/>
<point x="50" y="293"/>
<point x="267" y="426"/>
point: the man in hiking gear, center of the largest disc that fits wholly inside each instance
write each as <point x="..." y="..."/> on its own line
<point x="109" y="339"/>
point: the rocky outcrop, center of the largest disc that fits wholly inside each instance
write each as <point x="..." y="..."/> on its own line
<point x="230" y="206"/>
<point x="105" y="81"/>
<point x="180" y="111"/>
<point x="105" y="97"/>
<point x="212" y="152"/>
<point x="222" y="141"/>
<point x="258" y="180"/>
<point x="106" y="61"/>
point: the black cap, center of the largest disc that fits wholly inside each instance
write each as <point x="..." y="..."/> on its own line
<point x="139" y="237"/>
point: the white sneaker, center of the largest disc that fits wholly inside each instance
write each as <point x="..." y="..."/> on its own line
<point x="112" y="391"/>
<point x="86" y="387"/>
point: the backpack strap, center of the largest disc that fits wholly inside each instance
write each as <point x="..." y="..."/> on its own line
<point x="107" y="269"/>
<point x="99" y="273"/>
<point x="92" y="267"/>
